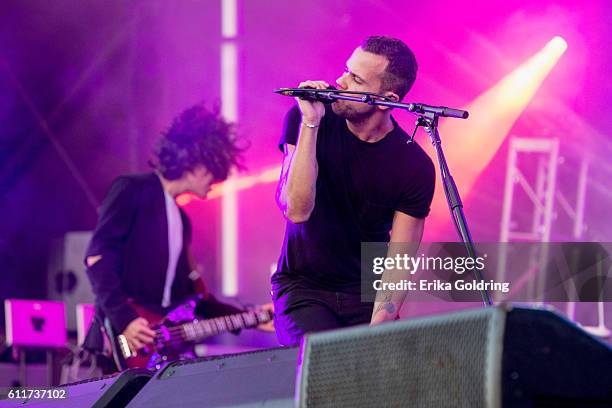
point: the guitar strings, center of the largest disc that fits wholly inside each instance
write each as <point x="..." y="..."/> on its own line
<point x="217" y="326"/>
<point x="174" y="331"/>
<point x="171" y="339"/>
<point x="175" y="340"/>
<point x="218" y="319"/>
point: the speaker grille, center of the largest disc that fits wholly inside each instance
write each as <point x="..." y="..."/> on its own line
<point x="433" y="362"/>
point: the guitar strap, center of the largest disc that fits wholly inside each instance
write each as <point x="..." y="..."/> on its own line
<point x="195" y="275"/>
<point x="107" y="329"/>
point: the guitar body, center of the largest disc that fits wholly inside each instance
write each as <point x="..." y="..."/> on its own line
<point x="169" y="346"/>
<point x="177" y="333"/>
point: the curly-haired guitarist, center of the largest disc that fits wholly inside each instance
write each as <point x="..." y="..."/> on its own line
<point x="139" y="252"/>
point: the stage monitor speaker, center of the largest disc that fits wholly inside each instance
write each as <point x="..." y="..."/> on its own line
<point x="67" y="278"/>
<point x="263" y="378"/>
<point x="113" y="391"/>
<point x="493" y="357"/>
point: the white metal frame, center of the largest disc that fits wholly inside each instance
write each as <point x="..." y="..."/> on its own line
<point x="543" y="196"/>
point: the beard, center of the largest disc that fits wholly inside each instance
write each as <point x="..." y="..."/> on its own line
<point x="354" y="112"/>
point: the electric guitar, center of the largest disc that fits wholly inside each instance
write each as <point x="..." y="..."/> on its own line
<point x="176" y="334"/>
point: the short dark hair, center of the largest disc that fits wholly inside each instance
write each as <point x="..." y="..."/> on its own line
<point x="400" y="74"/>
<point x="198" y="136"/>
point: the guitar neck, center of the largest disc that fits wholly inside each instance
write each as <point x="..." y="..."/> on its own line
<point x="200" y="329"/>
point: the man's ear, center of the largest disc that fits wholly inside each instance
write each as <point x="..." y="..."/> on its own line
<point x="391" y="96"/>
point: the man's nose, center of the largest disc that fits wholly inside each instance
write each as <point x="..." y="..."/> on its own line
<point x="341" y="82"/>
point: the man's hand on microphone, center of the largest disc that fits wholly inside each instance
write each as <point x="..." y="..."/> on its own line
<point x="312" y="111"/>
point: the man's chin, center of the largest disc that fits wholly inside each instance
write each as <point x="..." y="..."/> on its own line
<point x="341" y="110"/>
<point x="348" y="113"/>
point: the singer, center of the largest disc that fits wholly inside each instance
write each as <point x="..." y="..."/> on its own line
<point x="348" y="176"/>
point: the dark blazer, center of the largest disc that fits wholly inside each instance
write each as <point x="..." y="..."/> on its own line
<point x="132" y="238"/>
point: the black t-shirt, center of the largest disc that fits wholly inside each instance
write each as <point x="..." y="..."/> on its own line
<point x="359" y="187"/>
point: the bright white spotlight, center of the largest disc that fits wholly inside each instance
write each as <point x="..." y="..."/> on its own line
<point x="558" y="44"/>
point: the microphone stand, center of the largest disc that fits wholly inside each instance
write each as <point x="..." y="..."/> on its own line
<point x="429" y="122"/>
<point x="427" y="119"/>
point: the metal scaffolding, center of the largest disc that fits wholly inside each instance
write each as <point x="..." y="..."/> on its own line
<point x="545" y="199"/>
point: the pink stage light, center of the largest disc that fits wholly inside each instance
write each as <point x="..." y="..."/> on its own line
<point x="470" y="145"/>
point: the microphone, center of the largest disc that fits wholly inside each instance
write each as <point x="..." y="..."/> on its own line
<point x="309" y="94"/>
<point x="439" y="110"/>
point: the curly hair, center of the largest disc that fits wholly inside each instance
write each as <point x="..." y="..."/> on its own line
<point x="400" y="74"/>
<point x="198" y="137"/>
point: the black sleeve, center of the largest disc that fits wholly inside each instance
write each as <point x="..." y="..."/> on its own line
<point x="113" y="228"/>
<point x="291" y="128"/>
<point x="418" y="194"/>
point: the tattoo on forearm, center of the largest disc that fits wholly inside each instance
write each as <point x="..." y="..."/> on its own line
<point x="386" y="299"/>
<point x="389" y="307"/>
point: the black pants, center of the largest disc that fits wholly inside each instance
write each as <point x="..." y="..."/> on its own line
<point x="299" y="310"/>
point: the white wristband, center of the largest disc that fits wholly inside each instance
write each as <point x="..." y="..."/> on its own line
<point x="310" y="125"/>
